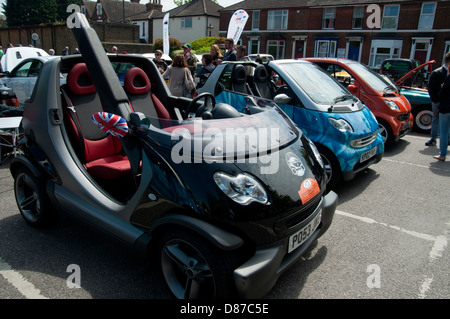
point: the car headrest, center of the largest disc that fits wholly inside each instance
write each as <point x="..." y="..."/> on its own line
<point x="261" y="73"/>
<point x="239" y="75"/>
<point x="79" y="80"/>
<point x="136" y="81"/>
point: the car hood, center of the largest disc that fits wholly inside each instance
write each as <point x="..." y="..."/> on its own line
<point x="248" y="136"/>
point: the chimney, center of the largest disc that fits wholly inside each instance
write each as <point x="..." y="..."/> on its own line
<point x="155" y="5"/>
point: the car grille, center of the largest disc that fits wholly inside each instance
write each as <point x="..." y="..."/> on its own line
<point x="403" y="117"/>
<point x="363" y="142"/>
<point x="296" y="218"/>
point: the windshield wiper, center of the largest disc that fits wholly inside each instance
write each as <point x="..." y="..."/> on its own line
<point x="389" y="88"/>
<point x="340" y="98"/>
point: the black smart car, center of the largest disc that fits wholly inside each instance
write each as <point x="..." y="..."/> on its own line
<point x="224" y="202"/>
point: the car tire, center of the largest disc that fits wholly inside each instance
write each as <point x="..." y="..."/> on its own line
<point x="332" y="167"/>
<point x="32" y="200"/>
<point x="386" y="132"/>
<point x="195" y="269"/>
<point x="423" y="116"/>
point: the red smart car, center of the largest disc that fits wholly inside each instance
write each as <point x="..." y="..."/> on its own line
<point x="390" y="107"/>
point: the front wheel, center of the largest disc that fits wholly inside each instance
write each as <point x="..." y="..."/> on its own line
<point x="423" y="117"/>
<point x="194" y="269"/>
<point x="332" y="167"/>
<point x="386" y="132"/>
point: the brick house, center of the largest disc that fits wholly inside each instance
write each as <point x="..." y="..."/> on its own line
<point x="368" y="31"/>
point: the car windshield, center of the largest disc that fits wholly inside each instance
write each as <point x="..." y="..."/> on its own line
<point x="248" y="135"/>
<point x="373" y="79"/>
<point x="316" y="83"/>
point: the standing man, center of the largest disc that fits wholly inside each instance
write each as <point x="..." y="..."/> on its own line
<point x="444" y="112"/>
<point x="190" y="59"/>
<point x="65" y="51"/>
<point x="241" y="53"/>
<point x="435" y="82"/>
<point x="231" y="54"/>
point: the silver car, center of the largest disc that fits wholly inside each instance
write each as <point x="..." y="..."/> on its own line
<point x="22" y="78"/>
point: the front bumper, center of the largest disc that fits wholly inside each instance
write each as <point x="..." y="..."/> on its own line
<point x="256" y="277"/>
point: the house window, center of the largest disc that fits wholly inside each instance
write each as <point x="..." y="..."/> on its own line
<point x="358" y="17"/>
<point x="427" y="16"/>
<point x="277" y="19"/>
<point x="329" y="15"/>
<point x="382" y="50"/>
<point x="255" y="20"/>
<point x="390" y="17"/>
<point x="325" y="48"/>
<point x="186" y="23"/>
<point x="99" y="9"/>
<point x="253" y="45"/>
<point x="276" y="48"/>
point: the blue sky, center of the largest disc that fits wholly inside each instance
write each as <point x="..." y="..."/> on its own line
<point x="168" y="4"/>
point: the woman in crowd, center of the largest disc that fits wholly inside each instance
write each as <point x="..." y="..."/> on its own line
<point x="160" y="63"/>
<point x="181" y="82"/>
<point x="208" y="67"/>
<point x="216" y="54"/>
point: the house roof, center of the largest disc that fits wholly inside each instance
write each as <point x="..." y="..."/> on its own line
<point x="270" y="4"/>
<point x="115" y="8"/>
<point x="194" y="8"/>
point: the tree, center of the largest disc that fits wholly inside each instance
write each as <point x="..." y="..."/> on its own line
<point x="25" y="12"/>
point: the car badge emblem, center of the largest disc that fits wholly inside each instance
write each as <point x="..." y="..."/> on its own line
<point x="295" y="164"/>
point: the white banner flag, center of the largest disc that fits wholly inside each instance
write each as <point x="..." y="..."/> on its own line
<point x="237" y="24"/>
<point x="166" y="45"/>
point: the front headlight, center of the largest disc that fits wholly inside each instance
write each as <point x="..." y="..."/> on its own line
<point x="243" y="188"/>
<point x="392" y="105"/>
<point x="341" y="125"/>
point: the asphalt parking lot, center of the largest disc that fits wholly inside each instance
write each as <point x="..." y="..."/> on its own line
<point x="388" y="240"/>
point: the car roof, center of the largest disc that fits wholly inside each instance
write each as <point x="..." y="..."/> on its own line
<point x="15" y="55"/>
<point x="165" y="57"/>
<point x="43" y="59"/>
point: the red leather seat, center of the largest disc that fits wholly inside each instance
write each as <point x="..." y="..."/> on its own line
<point x="99" y="151"/>
<point x="138" y="89"/>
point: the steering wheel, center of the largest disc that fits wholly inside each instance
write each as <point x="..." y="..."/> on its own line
<point x="282" y="89"/>
<point x="208" y="104"/>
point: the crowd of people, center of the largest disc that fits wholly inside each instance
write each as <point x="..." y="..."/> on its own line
<point x="181" y="83"/>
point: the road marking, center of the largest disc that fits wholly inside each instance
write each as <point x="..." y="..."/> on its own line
<point x="417" y="165"/>
<point x="26" y="288"/>
<point x="439" y="245"/>
<point x="372" y="221"/>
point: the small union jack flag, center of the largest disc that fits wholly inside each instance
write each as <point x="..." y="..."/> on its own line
<point x="110" y="123"/>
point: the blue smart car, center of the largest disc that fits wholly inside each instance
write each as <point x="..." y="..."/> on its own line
<point x="344" y="130"/>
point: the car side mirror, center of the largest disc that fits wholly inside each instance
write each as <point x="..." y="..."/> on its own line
<point x="353" y="89"/>
<point x="282" y="99"/>
<point x="111" y="123"/>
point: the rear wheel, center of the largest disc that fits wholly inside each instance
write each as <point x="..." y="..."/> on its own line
<point x="195" y="269"/>
<point x="32" y="200"/>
